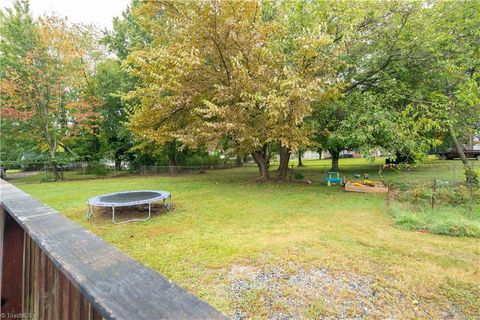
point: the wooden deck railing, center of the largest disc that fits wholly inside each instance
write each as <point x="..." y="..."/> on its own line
<point x="52" y="268"/>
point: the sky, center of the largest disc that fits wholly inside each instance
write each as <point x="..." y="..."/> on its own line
<point x="98" y="12"/>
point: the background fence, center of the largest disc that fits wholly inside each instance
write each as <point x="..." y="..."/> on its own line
<point x="447" y="173"/>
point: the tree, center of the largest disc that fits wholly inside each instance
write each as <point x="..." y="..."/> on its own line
<point x="223" y="73"/>
<point x="455" y="81"/>
<point x="386" y="68"/>
<point x="111" y="80"/>
<point x="42" y="79"/>
<point x="127" y="34"/>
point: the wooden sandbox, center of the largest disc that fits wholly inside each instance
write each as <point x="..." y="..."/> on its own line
<point x="379" y="187"/>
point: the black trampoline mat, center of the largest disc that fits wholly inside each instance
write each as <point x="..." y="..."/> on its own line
<point x="129" y="197"/>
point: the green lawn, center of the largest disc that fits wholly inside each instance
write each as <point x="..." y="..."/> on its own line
<point x="262" y="250"/>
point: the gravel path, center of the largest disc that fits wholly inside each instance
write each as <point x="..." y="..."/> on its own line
<point x="321" y="293"/>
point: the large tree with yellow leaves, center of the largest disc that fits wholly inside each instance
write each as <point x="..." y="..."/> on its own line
<point x="227" y="72"/>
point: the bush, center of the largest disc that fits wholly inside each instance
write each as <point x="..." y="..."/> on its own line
<point x="201" y="160"/>
<point x="456" y="210"/>
<point x="298" y="176"/>
<point x="472" y="177"/>
<point x="97" y="168"/>
<point x="460" y="195"/>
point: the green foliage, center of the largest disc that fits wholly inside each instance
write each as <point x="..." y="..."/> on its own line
<point x="127" y="34"/>
<point x="455" y="212"/>
<point x="215" y="71"/>
<point x="421" y="194"/>
<point x="445" y="220"/>
<point x="115" y="138"/>
<point x="298" y="176"/>
<point x="472" y="177"/>
<point x="96" y="168"/>
<point x="202" y="159"/>
<point x="366" y="75"/>
<point x="45" y="89"/>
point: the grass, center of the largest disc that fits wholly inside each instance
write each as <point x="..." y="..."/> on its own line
<point x="316" y="170"/>
<point x="446" y="220"/>
<point x="222" y="221"/>
<point x="453" y="211"/>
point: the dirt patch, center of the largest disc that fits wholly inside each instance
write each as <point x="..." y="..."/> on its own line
<point x="132" y="212"/>
<point x="321" y="293"/>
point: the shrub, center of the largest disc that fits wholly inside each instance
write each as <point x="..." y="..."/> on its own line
<point x="298" y="176"/>
<point x="422" y="194"/>
<point x="472" y="177"/>
<point x="96" y="168"/>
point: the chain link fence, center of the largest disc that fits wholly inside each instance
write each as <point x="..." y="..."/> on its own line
<point x="444" y="173"/>
<point x="31" y="172"/>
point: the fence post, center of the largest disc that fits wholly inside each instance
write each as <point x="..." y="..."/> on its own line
<point x="434" y="192"/>
<point x="454" y="175"/>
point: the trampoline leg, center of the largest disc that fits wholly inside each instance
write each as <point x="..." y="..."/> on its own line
<point x="149" y="211"/>
<point x="113" y="215"/>
<point x="90" y="212"/>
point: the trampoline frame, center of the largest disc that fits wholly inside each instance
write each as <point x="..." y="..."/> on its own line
<point x="95" y="202"/>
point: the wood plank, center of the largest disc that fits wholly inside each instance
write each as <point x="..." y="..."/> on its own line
<point x="49" y="290"/>
<point x="74" y="304"/>
<point x="42" y="284"/>
<point x="83" y="309"/>
<point x="117" y="286"/>
<point x="26" y="273"/>
<point x="64" y="296"/>
<point x="36" y="282"/>
<point x="96" y="315"/>
<point x="379" y="188"/>
<point x="2" y="226"/>
<point x="12" y="265"/>
<point x="55" y="294"/>
<point x="30" y="276"/>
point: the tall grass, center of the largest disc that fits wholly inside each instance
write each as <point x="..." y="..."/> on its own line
<point x="446" y="220"/>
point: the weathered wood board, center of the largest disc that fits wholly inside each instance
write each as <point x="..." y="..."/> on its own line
<point x="379" y="188"/>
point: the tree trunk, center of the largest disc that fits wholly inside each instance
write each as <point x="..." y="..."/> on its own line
<point x="95" y="141"/>
<point x="261" y="158"/>
<point x="449" y="92"/>
<point x="335" y="156"/>
<point x="458" y="146"/>
<point x="300" y="164"/>
<point x="118" y="164"/>
<point x="403" y="158"/>
<point x="172" y="166"/>
<point x="55" y="172"/>
<point x="53" y="161"/>
<point x="238" y="161"/>
<point x="283" y="166"/>
<point x="319" y="154"/>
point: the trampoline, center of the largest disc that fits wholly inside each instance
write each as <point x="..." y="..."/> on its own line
<point x="127" y="199"/>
